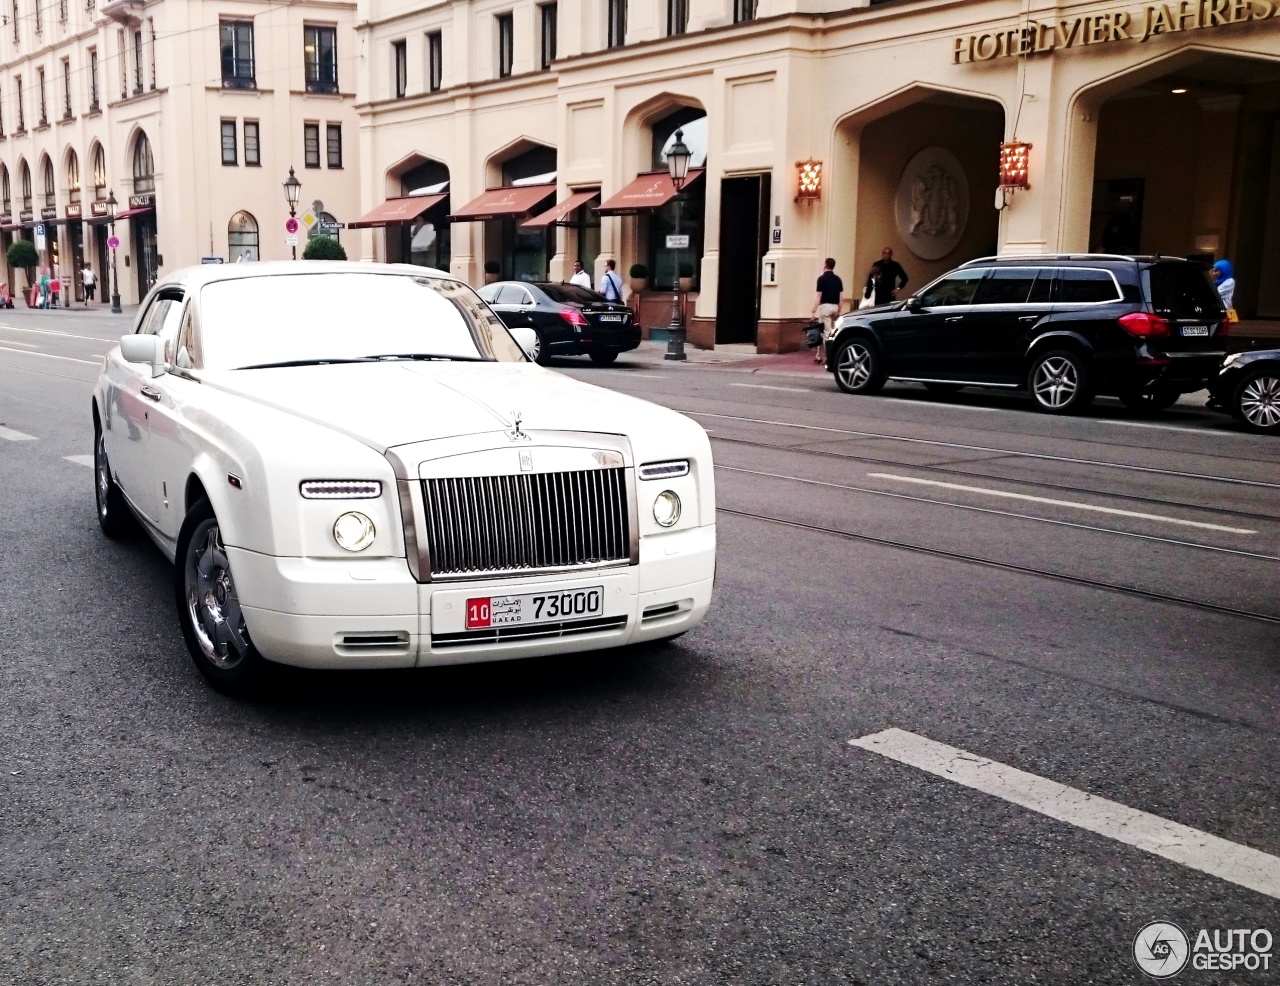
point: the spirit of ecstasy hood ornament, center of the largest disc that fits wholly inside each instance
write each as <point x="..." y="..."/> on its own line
<point x="515" y="434"/>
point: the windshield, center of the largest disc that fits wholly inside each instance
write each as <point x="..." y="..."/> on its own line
<point x="297" y="318"/>
<point x="571" y="294"/>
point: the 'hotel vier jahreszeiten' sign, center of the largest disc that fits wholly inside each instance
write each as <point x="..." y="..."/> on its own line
<point x="1153" y="20"/>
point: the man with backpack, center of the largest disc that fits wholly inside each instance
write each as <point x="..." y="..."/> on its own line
<point x="611" y="282"/>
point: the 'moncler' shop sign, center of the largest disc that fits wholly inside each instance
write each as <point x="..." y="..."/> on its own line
<point x="1153" y="20"/>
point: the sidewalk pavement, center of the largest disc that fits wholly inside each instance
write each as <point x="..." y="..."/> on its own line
<point x="743" y="360"/>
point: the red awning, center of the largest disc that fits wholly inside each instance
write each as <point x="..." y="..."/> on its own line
<point x="400" y="210"/>
<point x="557" y="213"/>
<point x="134" y="212"/>
<point x="647" y="193"/>
<point x="504" y="203"/>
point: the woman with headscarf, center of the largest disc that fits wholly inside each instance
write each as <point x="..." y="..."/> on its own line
<point x="1225" y="278"/>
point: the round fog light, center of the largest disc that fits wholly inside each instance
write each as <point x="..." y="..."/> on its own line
<point x="354" y="531"/>
<point x="666" y="508"/>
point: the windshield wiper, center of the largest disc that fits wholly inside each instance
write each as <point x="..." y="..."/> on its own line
<point x="307" y="362"/>
<point x="428" y="356"/>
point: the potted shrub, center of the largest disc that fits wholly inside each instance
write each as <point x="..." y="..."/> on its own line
<point x="639" y="277"/>
<point x="323" y="248"/>
<point x="686" y="277"/>
<point x="22" y="253"/>
<point x="492" y="270"/>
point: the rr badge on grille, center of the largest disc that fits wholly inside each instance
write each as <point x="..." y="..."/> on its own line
<point x="526" y="460"/>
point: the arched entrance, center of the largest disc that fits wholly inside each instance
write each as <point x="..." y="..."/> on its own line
<point x="522" y="181"/>
<point x="74" y="228"/>
<point x="1211" y="193"/>
<point x="425" y="240"/>
<point x="242" y="238"/>
<point x="142" y="215"/>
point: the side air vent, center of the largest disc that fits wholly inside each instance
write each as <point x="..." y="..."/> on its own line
<point x="662" y="611"/>
<point x="352" y="644"/>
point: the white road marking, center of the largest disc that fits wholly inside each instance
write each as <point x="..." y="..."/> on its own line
<point x="80" y="460"/>
<point x="925" y="402"/>
<point x="26" y="345"/>
<point x="61" y="335"/>
<point x="1003" y="451"/>
<point x="765" y="386"/>
<point x="1072" y="504"/>
<point x="1004" y="513"/>
<point x="1229" y="861"/>
<point x="648" y="376"/>
<point x="15" y="436"/>
<point x="68" y="359"/>
<point x="1158" y="427"/>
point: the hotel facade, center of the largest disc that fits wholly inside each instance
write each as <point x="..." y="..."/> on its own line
<point x="517" y="137"/>
<point x="189" y="113"/>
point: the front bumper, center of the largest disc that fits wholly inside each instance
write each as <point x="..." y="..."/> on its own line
<point x="347" y="613"/>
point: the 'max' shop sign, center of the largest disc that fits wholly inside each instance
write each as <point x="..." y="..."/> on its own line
<point x="1153" y="20"/>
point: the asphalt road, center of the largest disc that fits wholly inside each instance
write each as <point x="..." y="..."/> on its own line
<point x="1089" y="600"/>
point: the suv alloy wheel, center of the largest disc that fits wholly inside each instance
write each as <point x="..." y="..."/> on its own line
<point x="1059" y="382"/>
<point x="858" y="367"/>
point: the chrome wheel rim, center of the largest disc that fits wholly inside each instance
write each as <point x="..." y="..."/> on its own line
<point x="854" y="365"/>
<point x="537" y="348"/>
<point x="212" y="602"/>
<point x="102" y="474"/>
<point x="1260" y="401"/>
<point x="1055" y="382"/>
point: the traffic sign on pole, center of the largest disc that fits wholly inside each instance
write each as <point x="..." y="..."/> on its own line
<point x="291" y="225"/>
<point x="291" y="239"/>
<point x="113" y="242"/>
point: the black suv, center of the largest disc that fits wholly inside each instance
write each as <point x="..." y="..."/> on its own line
<point x="1064" y="327"/>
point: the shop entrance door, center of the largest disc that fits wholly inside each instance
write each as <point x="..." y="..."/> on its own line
<point x="71" y="272"/>
<point x="144" y="238"/>
<point x="744" y="227"/>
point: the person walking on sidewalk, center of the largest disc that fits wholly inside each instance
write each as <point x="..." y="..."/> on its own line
<point x="90" y="281"/>
<point x="611" y="283"/>
<point x="886" y="279"/>
<point x="826" y="304"/>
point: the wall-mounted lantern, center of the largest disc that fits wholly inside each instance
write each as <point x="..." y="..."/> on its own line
<point x="1015" y="170"/>
<point x="808" y="181"/>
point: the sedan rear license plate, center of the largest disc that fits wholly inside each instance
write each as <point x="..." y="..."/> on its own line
<point x="613" y="318"/>
<point x="534" y="607"/>
<point x="1195" y="330"/>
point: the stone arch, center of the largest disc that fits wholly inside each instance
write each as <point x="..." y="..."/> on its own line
<point x="395" y="175"/>
<point x="24" y="183"/>
<point x="98" y="167"/>
<point x="637" y="124"/>
<point x="493" y="165"/>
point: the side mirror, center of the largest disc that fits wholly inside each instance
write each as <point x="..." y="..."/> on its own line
<point x="527" y="339"/>
<point x="144" y="348"/>
<point x="913" y="304"/>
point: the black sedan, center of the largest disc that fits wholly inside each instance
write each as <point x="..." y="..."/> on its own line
<point x="569" y="320"/>
<point x="1248" y="388"/>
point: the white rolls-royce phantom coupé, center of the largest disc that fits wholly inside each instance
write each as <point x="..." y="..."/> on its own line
<point x="356" y="466"/>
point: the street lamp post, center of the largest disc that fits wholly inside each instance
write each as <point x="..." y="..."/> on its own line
<point x="678" y="168"/>
<point x="115" y="275"/>
<point x="292" y="191"/>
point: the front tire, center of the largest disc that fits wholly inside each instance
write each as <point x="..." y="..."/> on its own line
<point x="1256" y="402"/>
<point x="209" y="610"/>
<point x="857" y="367"/>
<point x="1059" y="382"/>
<point x="541" y="354"/>
<point x="603" y="357"/>
<point x="113" y="513"/>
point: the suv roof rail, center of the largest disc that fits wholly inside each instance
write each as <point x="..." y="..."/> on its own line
<point x="1054" y="256"/>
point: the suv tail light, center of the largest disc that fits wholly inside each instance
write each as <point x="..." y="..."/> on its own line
<point x="574" y="317"/>
<point x="1144" y="325"/>
<point x="1224" y="327"/>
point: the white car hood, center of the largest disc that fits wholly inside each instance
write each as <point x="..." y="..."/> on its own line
<point x="395" y="403"/>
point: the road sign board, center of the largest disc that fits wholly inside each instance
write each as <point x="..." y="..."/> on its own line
<point x="680" y="242"/>
<point x="113" y="242"/>
<point x="291" y="225"/>
<point x="212" y="260"/>
<point x="309" y="219"/>
<point x="39" y="229"/>
<point x="291" y="239"/>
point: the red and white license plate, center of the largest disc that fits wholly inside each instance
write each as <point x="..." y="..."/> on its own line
<point x="535" y="607"/>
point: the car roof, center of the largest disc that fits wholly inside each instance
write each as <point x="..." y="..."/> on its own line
<point x="1081" y="259"/>
<point x="191" y="278"/>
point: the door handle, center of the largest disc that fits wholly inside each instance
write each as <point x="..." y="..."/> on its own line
<point x="954" y="318"/>
<point x="151" y="394"/>
<point x="1027" y="318"/>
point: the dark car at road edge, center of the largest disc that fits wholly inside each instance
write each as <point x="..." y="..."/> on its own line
<point x="569" y="320"/>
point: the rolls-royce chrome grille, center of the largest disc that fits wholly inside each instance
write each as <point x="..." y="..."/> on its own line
<point x="485" y="525"/>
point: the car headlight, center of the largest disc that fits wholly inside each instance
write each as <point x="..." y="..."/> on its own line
<point x="666" y="509"/>
<point x="340" y="489"/>
<point x="354" y="531"/>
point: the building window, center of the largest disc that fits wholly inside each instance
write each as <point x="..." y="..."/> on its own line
<point x="44" y="106"/>
<point x="435" y="60"/>
<point x="39" y="17"/>
<point x="617" y="23"/>
<point x="548" y="47"/>
<point x="66" y="88"/>
<point x="252" y="144"/>
<point x="506" y="44"/>
<point x="242" y="238"/>
<point x="50" y="187"/>
<point x="26" y="186"/>
<point x="230" y="155"/>
<point x="151" y="28"/>
<point x="16" y="36"/>
<point x="744" y="10"/>
<point x="237" y="54"/>
<point x="99" y="172"/>
<point x="22" y="115"/>
<point x="311" y="145"/>
<point x="320" y="51"/>
<point x="137" y="62"/>
<point x="73" y="177"/>
<point x="5" y="200"/>
<point x="93" y="80"/>
<point x="333" y="136"/>
<point x="400" y="61"/>
<point x="144" y="167"/>
<point x="62" y="10"/>
<point x="677" y="17"/>
<point x="1" y="117"/>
